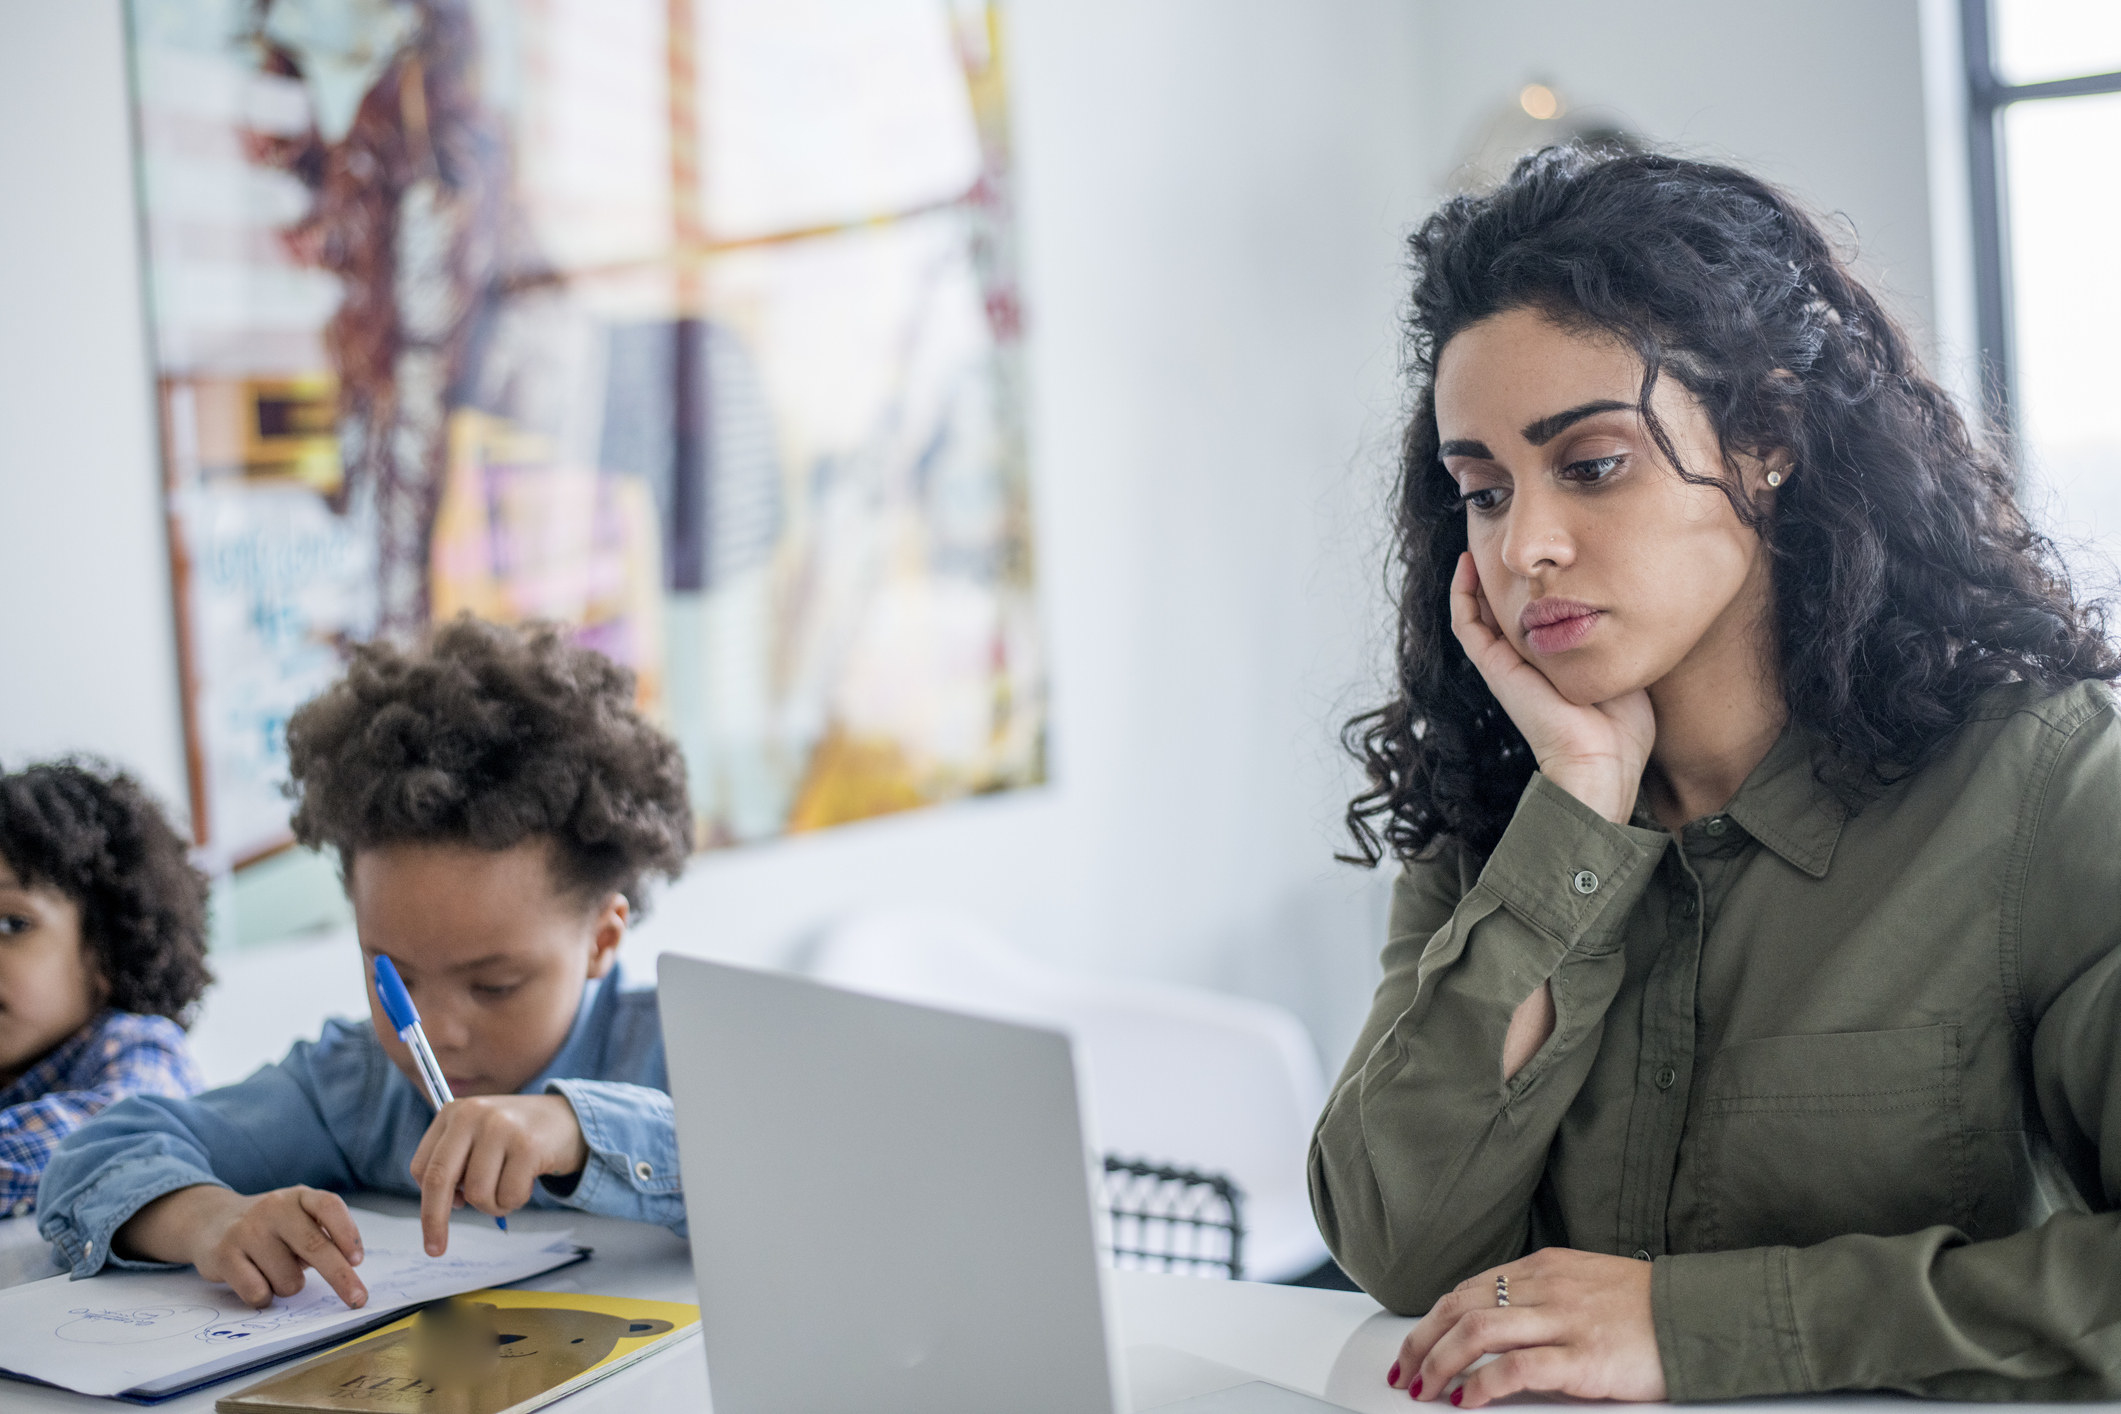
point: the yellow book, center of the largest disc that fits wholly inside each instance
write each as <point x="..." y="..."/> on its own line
<point x="488" y="1352"/>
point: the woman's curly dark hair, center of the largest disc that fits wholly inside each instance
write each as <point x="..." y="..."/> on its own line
<point x="94" y="835"/>
<point x="1906" y="578"/>
<point x="488" y="735"/>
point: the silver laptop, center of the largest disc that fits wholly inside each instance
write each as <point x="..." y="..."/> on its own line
<point x="890" y="1205"/>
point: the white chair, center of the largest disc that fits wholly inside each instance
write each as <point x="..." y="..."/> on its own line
<point x="1171" y="1074"/>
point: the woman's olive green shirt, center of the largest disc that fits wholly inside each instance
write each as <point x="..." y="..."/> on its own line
<point x="1851" y="1080"/>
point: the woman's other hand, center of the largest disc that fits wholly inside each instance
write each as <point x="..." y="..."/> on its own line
<point x="1578" y="1324"/>
<point x="1595" y="753"/>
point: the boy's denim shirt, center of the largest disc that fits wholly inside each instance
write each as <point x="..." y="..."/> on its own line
<point x="336" y="1114"/>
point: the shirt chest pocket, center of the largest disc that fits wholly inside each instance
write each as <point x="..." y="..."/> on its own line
<point x="1796" y="1139"/>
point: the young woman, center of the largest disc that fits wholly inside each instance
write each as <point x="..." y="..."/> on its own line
<point x="1751" y="1020"/>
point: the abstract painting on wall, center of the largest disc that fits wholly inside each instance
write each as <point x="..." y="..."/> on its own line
<point x="690" y="324"/>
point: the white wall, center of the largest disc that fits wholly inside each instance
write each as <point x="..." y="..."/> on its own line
<point x="1825" y="96"/>
<point x="1214" y="195"/>
<point x="87" y="655"/>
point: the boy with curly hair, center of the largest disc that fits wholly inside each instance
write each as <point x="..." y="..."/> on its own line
<point x="102" y="955"/>
<point x="496" y="804"/>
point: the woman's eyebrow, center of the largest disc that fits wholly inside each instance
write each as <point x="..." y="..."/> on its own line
<point x="1463" y="448"/>
<point x="1547" y="428"/>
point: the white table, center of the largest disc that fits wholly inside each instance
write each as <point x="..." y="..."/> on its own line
<point x="1182" y="1336"/>
<point x="24" y="1256"/>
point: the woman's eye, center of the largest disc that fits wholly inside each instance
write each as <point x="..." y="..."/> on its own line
<point x="1487" y="498"/>
<point x="13" y="923"/>
<point x="1592" y="469"/>
<point x="494" y="991"/>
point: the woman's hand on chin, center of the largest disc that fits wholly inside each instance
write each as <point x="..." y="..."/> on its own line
<point x="1595" y="753"/>
<point x="1578" y="1324"/>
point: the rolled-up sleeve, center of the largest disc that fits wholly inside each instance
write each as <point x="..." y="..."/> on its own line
<point x="262" y="1133"/>
<point x="1424" y="1163"/>
<point x="631" y="1133"/>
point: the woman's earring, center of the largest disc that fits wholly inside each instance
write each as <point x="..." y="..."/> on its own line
<point x="1774" y="478"/>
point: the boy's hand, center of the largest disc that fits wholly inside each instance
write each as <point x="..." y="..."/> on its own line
<point x="258" y="1246"/>
<point x="487" y="1151"/>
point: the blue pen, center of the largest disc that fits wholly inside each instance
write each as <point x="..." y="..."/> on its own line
<point x="397" y="1005"/>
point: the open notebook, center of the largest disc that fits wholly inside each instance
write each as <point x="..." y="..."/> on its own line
<point x="148" y="1335"/>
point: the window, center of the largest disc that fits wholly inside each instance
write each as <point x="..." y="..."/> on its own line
<point x="2044" y="110"/>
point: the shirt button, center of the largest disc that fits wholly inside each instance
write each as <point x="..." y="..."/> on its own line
<point x="1715" y="825"/>
<point x="644" y="1170"/>
<point x="1642" y="1254"/>
<point x="1665" y="1076"/>
<point x="1586" y="882"/>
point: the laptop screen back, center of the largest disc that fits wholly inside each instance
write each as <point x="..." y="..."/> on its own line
<point x="889" y="1204"/>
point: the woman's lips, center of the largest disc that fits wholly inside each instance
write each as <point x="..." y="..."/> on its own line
<point x="1557" y="625"/>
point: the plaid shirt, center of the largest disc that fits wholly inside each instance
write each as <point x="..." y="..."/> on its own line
<point x="117" y="1054"/>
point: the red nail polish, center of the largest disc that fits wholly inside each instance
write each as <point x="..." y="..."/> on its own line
<point x="1414" y="1390"/>
<point x="1392" y="1375"/>
<point x="1458" y="1396"/>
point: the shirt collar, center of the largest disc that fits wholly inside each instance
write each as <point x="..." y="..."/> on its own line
<point x="42" y="1078"/>
<point x="582" y="1052"/>
<point x="1784" y="805"/>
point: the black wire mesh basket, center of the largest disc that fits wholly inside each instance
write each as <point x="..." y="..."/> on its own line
<point x="1167" y="1219"/>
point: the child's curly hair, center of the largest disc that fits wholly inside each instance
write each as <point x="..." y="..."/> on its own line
<point x="489" y="736"/>
<point x="91" y="833"/>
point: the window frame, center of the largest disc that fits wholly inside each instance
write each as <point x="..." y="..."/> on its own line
<point x="1987" y="97"/>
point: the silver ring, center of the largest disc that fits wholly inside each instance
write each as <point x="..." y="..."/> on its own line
<point x="1502" y="1290"/>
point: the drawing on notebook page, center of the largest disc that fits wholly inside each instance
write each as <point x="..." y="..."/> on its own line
<point x="249" y="1326"/>
<point x="402" y="1274"/>
<point x="134" y="1325"/>
<point x="97" y="1325"/>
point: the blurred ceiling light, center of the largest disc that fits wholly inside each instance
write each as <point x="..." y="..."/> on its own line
<point x="1538" y="101"/>
<point x="1535" y="116"/>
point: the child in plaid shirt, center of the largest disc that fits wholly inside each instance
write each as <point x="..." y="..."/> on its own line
<point x="102" y="954"/>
